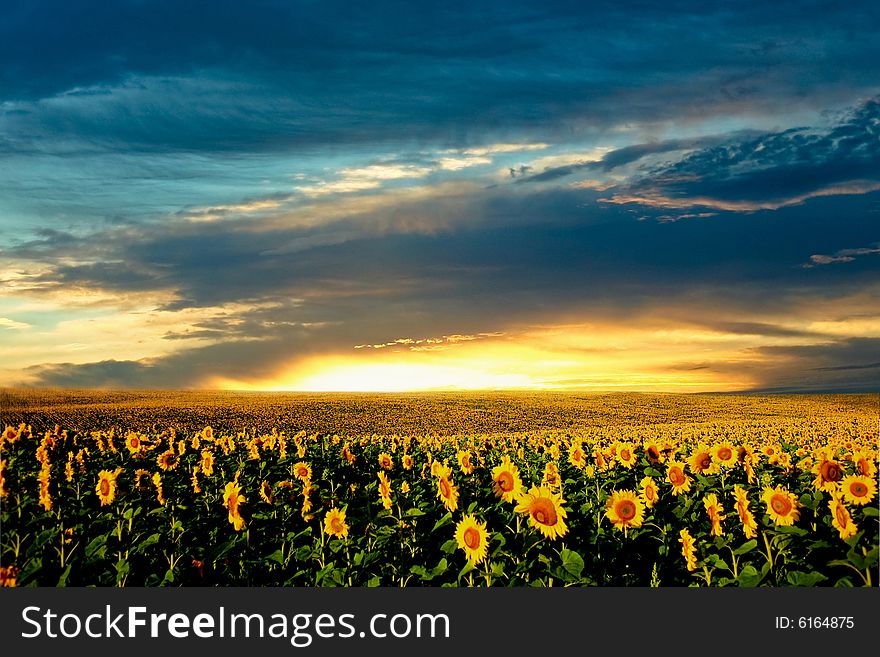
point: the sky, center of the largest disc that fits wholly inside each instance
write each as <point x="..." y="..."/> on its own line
<point x="396" y="196"/>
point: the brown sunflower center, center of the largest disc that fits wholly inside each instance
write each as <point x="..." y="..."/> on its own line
<point x="472" y="538"/>
<point x="625" y="455"/>
<point x="780" y="504"/>
<point x="543" y="511"/>
<point x="105" y="487"/>
<point x="858" y="489"/>
<point x="134" y="442"/>
<point x="653" y="453"/>
<point x="842" y="516"/>
<point x="505" y="481"/>
<point x="831" y="471"/>
<point x="704" y="461"/>
<point x="626" y="510"/>
<point x="676" y="476"/>
<point x="650" y="493"/>
<point x="725" y="454"/>
<point x="336" y="526"/>
<point x="445" y="490"/>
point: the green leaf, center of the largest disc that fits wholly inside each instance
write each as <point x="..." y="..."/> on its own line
<point x="748" y="546"/>
<point x="468" y="567"/>
<point x="748" y="576"/>
<point x="799" y="578"/>
<point x="97" y="547"/>
<point x="415" y="513"/>
<point x="445" y="520"/>
<point x="152" y="539"/>
<point x="62" y="581"/>
<point x="871" y="511"/>
<point x="449" y="546"/>
<point x="572" y="563"/>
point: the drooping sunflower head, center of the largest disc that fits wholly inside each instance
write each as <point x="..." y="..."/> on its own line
<point x="506" y="483"/>
<point x="384" y="485"/>
<point x="828" y="473"/>
<point x="334" y="523"/>
<point x="782" y="506"/>
<point x="472" y="537"/>
<point x="545" y="510"/>
<point x="168" y="460"/>
<point x="233" y="499"/>
<point x="266" y="492"/>
<point x="624" y="509"/>
<point x="858" y="489"/>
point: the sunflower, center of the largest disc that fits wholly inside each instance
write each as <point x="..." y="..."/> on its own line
<point x="858" y="489"/>
<point x="675" y="475"/>
<point x="724" y="455"/>
<point x="439" y="469"/>
<point x="841" y="520"/>
<point x="828" y="473"/>
<point x="385" y="461"/>
<point x="742" y="509"/>
<point x="625" y="509"/>
<point x="334" y="523"/>
<point x="782" y="506"/>
<point x="626" y="454"/>
<point x="168" y="460"/>
<point x="44" y="478"/>
<point x="404" y="488"/>
<point x="506" y="483"/>
<point x="207" y="434"/>
<point x="407" y="462"/>
<point x="700" y="461"/>
<point x="106" y="487"/>
<point x="551" y="477"/>
<point x="648" y="492"/>
<point x="545" y="511"/>
<point x="266" y="492"/>
<point x="160" y="495"/>
<point x="448" y="493"/>
<point x="688" y="549"/>
<point x="133" y="443"/>
<point x="384" y="490"/>
<point x="7" y="576"/>
<point x="577" y="457"/>
<point x="302" y="471"/>
<point x="233" y="499"/>
<point x="715" y="513"/>
<point x="865" y="462"/>
<point x="207" y="463"/>
<point x="472" y="537"/>
<point x="653" y="451"/>
<point x="464" y="462"/>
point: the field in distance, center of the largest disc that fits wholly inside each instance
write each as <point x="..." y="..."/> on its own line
<point x="412" y="413"/>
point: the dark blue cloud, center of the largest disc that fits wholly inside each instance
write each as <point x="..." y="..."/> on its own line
<point x="776" y="167"/>
<point x="269" y="75"/>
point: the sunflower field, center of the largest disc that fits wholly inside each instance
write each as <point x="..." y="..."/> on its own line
<point x="765" y="502"/>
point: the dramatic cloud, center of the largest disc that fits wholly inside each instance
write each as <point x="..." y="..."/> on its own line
<point x="494" y="194"/>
